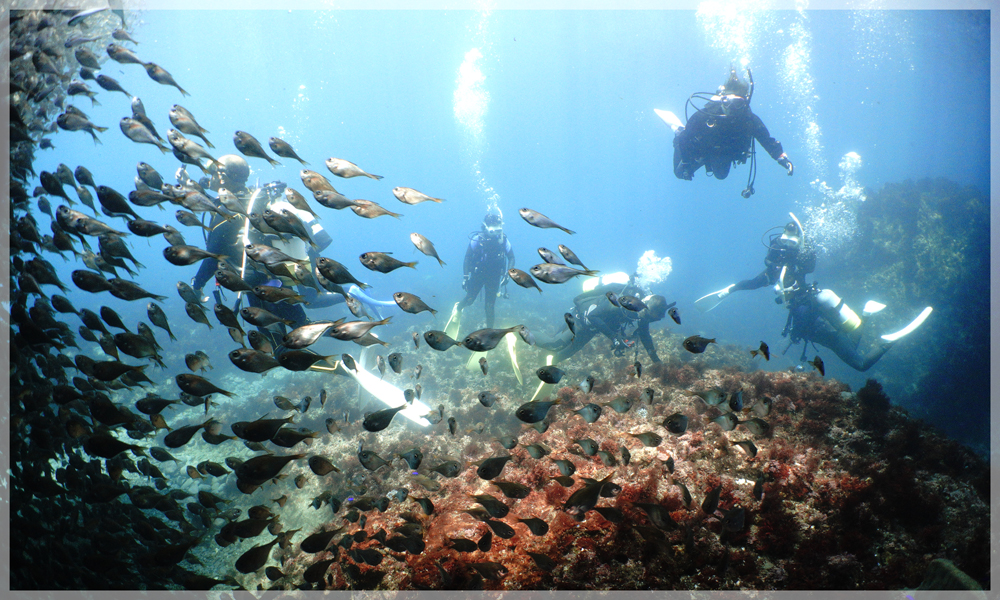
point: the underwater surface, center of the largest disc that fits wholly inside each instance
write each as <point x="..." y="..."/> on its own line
<point x="332" y="418"/>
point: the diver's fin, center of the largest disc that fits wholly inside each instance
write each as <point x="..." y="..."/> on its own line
<point x="710" y="301"/>
<point x="454" y="322"/>
<point x="892" y="337"/>
<point x="512" y="353"/>
<point x="872" y="307"/>
<point x="544" y="388"/>
<point x="669" y="118"/>
<point x="380" y="389"/>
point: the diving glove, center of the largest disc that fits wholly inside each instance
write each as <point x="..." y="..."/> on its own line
<point x="783" y="161"/>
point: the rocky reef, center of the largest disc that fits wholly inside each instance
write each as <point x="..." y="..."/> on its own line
<point x="853" y="494"/>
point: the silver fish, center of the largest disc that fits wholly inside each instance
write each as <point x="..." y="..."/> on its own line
<point x="541" y="221"/>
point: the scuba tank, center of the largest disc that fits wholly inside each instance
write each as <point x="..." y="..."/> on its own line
<point x="842" y="315"/>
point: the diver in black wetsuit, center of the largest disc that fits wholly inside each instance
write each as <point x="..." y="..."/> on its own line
<point x="788" y="259"/>
<point x="821" y="317"/>
<point x="487" y="259"/>
<point x="594" y="313"/>
<point x="722" y="132"/>
<point x="227" y="239"/>
<point x="814" y="315"/>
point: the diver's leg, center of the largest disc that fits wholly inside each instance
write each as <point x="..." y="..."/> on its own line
<point x="583" y="335"/>
<point x="318" y="300"/>
<point x="721" y="169"/>
<point x="490" y="297"/>
<point x="874" y="355"/>
<point x="556" y="342"/>
<point x="841" y="345"/>
<point x="473" y="287"/>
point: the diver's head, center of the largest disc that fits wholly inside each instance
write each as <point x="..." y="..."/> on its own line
<point x="656" y="308"/>
<point x="232" y="175"/>
<point x="784" y="247"/>
<point x="734" y="85"/>
<point x="493" y="225"/>
<point x="791" y="236"/>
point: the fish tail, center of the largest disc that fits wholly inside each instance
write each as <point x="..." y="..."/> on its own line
<point x="182" y="91"/>
<point x="303" y="162"/>
<point x="441" y="262"/>
<point x="412" y="265"/>
<point x="162" y="148"/>
<point x="569" y="231"/>
<point x="754" y="353"/>
<point x="100" y="129"/>
<point x="273" y="162"/>
<point x="376" y="177"/>
<point x="208" y="143"/>
<point x="591" y="273"/>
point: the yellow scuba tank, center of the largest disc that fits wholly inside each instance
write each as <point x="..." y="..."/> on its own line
<point x="846" y="319"/>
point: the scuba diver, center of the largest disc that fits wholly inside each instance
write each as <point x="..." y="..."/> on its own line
<point x="487" y="259"/>
<point x="228" y="237"/>
<point x="815" y="315"/>
<point x="788" y="260"/>
<point x="595" y="313"/>
<point x="722" y="132"/>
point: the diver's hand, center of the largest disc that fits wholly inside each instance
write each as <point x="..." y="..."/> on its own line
<point x="465" y="283"/>
<point x="783" y="161"/>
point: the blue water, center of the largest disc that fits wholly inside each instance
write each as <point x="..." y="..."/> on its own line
<point x="558" y="117"/>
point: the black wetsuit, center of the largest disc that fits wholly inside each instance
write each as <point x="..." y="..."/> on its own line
<point x="595" y="314"/>
<point x="810" y="321"/>
<point x="486" y="262"/>
<point x="715" y="140"/>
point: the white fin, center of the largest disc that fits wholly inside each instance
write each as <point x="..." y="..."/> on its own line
<point x="892" y="337"/>
<point x="710" y="301"/>
<point x="669" y="118"/>
<point x="872" y="307"/>
<point x="387" y="393"/>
